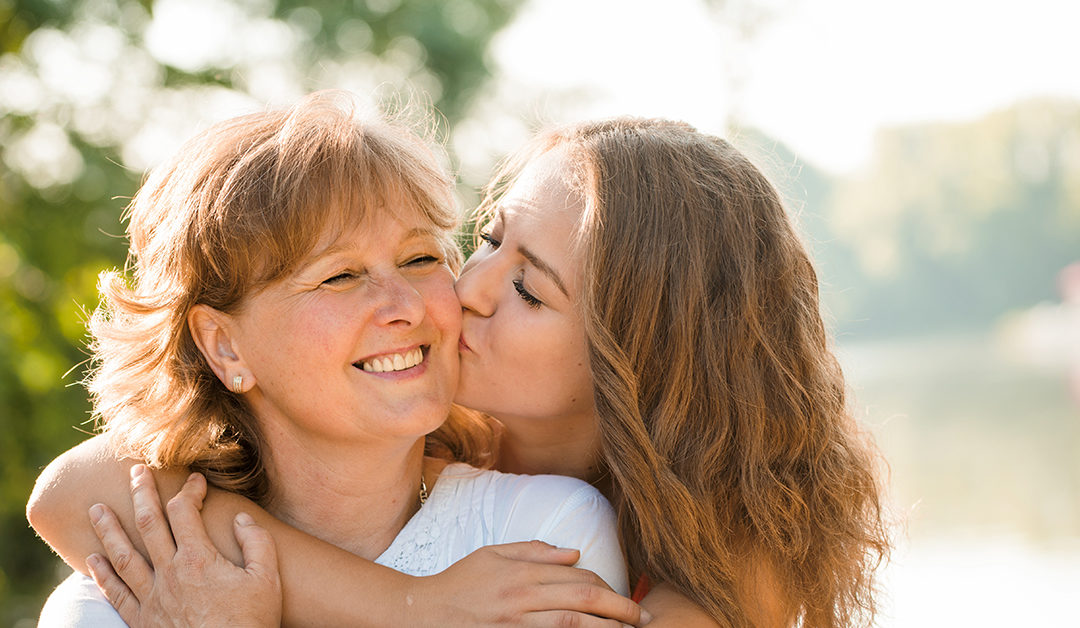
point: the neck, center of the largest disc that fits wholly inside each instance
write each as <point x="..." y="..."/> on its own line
<point x="560" y="446"/>
<point x="354" y="496"/>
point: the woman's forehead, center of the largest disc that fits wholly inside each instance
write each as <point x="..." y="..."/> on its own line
<point x="379" y="222"/>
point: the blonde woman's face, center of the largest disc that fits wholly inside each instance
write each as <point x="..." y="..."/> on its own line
<point x="523" y="355"/>
<point x="360" y="342"/>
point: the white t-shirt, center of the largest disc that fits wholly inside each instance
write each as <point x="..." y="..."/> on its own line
<point x="467" y="509"/>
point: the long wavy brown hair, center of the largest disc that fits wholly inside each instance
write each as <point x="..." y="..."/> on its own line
<point x="739" y="472"/>
<point x="237" y="208"/>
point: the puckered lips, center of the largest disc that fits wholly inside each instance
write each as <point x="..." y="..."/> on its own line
<point x="393" y="362"/>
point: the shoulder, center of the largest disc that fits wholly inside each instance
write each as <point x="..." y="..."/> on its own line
<point x="546" y="492"/>
<point x="525" y="507"/>
<point x="559" y="510"/>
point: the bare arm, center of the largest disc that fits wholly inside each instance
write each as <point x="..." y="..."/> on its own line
<point x="323" y="584"/>
<point x="76" y="480"/>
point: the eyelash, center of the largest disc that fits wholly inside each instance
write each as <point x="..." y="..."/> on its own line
<point x="421" y="260"/>
<point x="519" y="285"/>
<point x="339" y="277"/>
<point x="526" y="296"/>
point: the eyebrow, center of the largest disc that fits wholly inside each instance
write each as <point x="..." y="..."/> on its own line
<point x="543" y="267"/>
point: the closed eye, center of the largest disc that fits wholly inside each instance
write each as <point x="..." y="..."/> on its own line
<point x="340" y="277"/>
<point x="488" y="239"/>
<point x="526" y="296"/>
<point x="423" y="260"/>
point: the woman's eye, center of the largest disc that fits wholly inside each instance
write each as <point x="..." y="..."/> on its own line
<point x="488" y="239"/>
<point x="526" y="296"/>
<point x="339" y="278"/>
<point x="423" y="260"/>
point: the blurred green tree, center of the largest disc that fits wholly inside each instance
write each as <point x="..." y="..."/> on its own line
<point x="955" y="224"/>
<point x="91" y="93"/>
<point x="949" y="228"/>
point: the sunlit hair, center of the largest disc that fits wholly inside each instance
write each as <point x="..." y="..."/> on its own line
<point x="739" y="473"/>
<point x="237" y="208"/>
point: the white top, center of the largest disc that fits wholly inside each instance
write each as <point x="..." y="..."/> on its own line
<point x="467" y="509"/>
<point x="78" y="602"/>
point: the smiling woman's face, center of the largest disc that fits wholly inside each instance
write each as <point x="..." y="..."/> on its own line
<point x="523" y="354"/>
<point x="359" y="342"/>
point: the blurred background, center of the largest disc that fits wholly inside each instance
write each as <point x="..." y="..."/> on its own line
<point x="930" y="151"/>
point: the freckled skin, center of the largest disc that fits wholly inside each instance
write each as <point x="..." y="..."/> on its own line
<point x="370" y="297"/>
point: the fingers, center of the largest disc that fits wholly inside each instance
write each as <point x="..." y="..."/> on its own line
<point x="149" y="520"/>
<point x="260" y="553"/>
<point x="118" y="594"/>
<point x="128" y="564"/>
<point x="570" y="619"/>
<point x="592" y="599"/>
<point x="576" y="592"/>
<point x="184" y="514"/>
<point x="537" y="552"/>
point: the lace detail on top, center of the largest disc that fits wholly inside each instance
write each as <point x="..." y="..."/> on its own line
<point x="469" y="508"/>
<point x="416" y="549"/>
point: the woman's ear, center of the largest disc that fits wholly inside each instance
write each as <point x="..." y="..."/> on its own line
<point x="213" y="333"/>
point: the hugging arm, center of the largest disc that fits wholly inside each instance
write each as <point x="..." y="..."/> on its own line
<point x="320" y="583"/>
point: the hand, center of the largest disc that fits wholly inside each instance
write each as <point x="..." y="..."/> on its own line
<point x="529" y="583"/>
<point x="189" y="583"/>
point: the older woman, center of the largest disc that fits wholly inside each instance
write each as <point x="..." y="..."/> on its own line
<point x="292" y="332"/>
<point x="642" y="315"/>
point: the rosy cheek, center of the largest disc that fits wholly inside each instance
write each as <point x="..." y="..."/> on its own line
<point x="442" y="303"/>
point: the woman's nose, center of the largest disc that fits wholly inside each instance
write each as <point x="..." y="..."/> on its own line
<point x="476" y="287"/>
<point x="398" y="301"/>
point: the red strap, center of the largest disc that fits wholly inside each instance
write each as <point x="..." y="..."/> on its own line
<point x="642" y="588"/>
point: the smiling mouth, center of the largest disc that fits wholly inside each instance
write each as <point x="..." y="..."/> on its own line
<point x="392" y="362"/>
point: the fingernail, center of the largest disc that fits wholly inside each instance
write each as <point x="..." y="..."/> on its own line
<point x="96" y="512"/>
<point x="137" y="470"/>
<point x="244" y="519"/>
<point x="645" y="617"/>
<point x="94" y="562"/>
<point x="193" y="476"/>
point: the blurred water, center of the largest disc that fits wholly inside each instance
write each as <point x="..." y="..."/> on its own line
<point x="983" y="441"/>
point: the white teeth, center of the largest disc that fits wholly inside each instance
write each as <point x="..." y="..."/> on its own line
<point x="396" y="362"/>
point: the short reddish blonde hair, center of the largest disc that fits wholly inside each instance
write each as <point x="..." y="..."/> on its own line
<point x="234" y="210"/>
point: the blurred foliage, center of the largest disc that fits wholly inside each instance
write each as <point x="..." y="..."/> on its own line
<point x="949" y="227"/>
<point x="954" y="225"/>
<point x="71" y="158"/>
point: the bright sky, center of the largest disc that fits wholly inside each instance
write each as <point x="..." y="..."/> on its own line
<point x="822" y="75"/>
